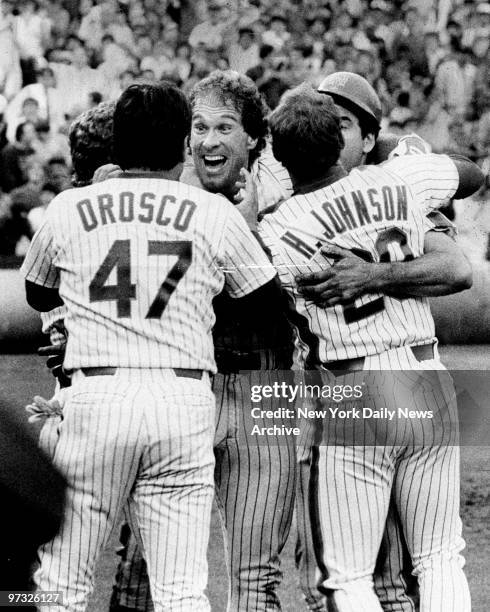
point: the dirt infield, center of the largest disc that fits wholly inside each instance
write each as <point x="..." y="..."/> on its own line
<point x="22" y="376"/>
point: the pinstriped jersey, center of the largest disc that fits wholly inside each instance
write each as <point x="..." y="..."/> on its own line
<point x="137" y="262"/>
<point x="272" y="180"/>
<point x="378" y="212"/>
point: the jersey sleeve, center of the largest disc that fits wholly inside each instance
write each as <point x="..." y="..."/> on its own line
<point x="272" y="180"/>
<point x="38" y="266"/>
<point x="432" y="179"/>
<point x="437" y="222"/>
<point x="246" y="266"/>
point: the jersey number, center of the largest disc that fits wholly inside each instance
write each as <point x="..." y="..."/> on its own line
<point x="394" y="235"/>
<point x="119" y="257"/>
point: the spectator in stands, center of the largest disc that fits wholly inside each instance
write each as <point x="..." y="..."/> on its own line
<point x="32" y="34"/>
<point x="36" y="215"/>
<point x="48" y="98"/>
<point x="433" y="50"/>
<point x="14" y="225"/>
<point x="58" y="174"/>
<point x="210" y="32"/>
<point x="277" y="36"/>
<point x="244" y="54"/>
<point x="450" y="84"/>
<point x="13" y="157"/>
<point x="50" y="144"/>
<point x="78" y="71"/>
<point x="182" y="61"/>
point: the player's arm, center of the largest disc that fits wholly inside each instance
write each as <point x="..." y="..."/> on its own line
<point x="471" y="178"/>
<point x="40" y="273"/>
<point x="247" y="269"/>
<point x="442" y="270"/>
<point x="42" y="298"/>
<point x="434" y="179"/>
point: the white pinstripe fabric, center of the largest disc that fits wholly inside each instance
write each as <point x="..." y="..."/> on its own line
<point x="429" y="180"/>
<point x="354" y="488"/>
<point x="224" y="254"/>
<point x="272" y="179"/>
<point x="143" y="435"/>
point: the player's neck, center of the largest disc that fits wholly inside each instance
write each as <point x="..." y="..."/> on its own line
<point x="334" y="173"/>
<point x="170" y="175"/>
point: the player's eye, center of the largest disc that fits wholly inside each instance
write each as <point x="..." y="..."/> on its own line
<point x="199" y="128"/>
<point x="225" y="128"/>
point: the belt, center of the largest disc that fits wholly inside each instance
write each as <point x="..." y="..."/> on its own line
<point x="108" y="371"/>
<point x="421" y="352"/>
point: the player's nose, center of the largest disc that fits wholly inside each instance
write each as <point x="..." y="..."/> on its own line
<point x="211" y="140"/>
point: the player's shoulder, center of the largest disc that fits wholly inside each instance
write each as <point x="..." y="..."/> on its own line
<point x="426" y="163"/>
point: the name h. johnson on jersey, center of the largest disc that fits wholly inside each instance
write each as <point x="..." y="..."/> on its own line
<point x="126" y="207"/>
<point x="352" y="210"/>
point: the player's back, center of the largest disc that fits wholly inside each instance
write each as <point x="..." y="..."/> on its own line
<point x="377" y="212"/>
<point x="140" y="261"/>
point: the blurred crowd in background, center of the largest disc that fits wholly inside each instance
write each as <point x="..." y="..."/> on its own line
<point x="427" y="59"/>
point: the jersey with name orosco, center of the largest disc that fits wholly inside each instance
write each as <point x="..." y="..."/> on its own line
<point x="378" y="212"/>
<point x="137" y="261"/>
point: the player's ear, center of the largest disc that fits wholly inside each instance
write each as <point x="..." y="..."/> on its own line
<point x="188" y="145"/>
<point x="368" y="143"/>
<point x="251" y="143"/>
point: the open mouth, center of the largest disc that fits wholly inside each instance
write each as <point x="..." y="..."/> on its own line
<point x="214" y="163"/>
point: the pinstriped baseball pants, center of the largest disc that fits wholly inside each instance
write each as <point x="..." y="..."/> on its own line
<point x="416" y="463"/>
<point x="143" y="436"/>
<point x="255" y="484"/>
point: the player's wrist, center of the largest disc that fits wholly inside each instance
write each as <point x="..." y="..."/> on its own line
<point x="380" y="276"/>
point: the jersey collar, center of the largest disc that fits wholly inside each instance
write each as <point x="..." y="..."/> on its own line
<point x="335" y="173"/>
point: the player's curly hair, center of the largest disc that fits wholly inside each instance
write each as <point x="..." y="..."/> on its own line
<point x="306" y="134"/>
<point x="91" y="141"/>
<point x="230" y="87"/>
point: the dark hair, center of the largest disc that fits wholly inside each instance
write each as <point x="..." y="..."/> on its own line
<point x="19" y="131"/>
<point x="306" y="134"/>
<point x="367" y="123"/>
<point x="265" y="51"/>
<point x="239" y="90"/>
<point x="30" y="101"/>
<point x="91" y="141"/>
<point x="95" y="97"/>
<point x="151" y="123"/>
<point x="57" y="161"/>
<point x="403" y="98"/>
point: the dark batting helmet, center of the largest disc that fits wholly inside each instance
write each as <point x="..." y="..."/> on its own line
<point x="356" y="90"/>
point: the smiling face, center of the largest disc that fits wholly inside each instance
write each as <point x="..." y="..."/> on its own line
<point x="219" y="144"/>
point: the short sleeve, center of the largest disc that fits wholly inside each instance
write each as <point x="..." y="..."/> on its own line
<point x="38" y="266"/>
<point x="433" y="179"/>
<point x="437" y="222"/>
<point x="246" y="266"/>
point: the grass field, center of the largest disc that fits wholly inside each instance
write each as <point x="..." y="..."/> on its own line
<point x="23" y="376"/>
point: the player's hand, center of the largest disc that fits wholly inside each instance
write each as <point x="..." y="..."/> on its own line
<point x="55" y="355"/>
<point x="106" y="172"/>
<point x="246" y="199"/>
<point x="347" y="278"/>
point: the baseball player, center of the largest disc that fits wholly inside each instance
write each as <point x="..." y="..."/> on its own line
<point x="130" y="592"/>
<point x="255" y="482"/>
<point x="444" y="269"/>
<point x="357" y="212"/>
<point x="138" y="422"/>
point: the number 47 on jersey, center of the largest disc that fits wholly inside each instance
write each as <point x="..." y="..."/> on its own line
<point x="119" y="258"/>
